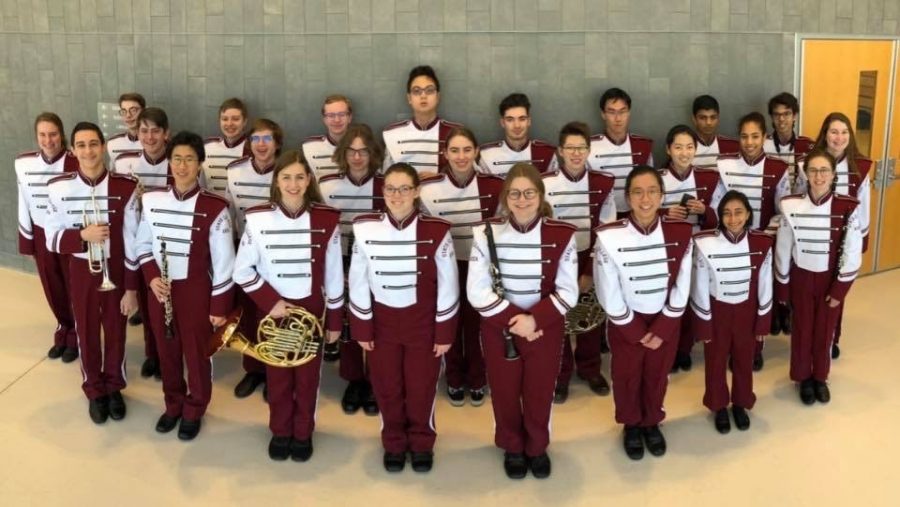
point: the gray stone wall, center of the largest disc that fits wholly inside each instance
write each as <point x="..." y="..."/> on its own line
<point x="284" y="56"/>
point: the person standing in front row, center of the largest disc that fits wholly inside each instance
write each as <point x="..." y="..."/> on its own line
<point x="642" y="274"/>
<point x="404" y="299"/>
<point x="536" y="263"/>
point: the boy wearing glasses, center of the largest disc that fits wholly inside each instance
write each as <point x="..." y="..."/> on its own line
<point x="337" y="115"/>
<point x="221" y="151"/>
<point x="419" y="141"/>
<point x="783" y="142"/>
<point x="515" y="119"/>
<point x="130" y="107"/>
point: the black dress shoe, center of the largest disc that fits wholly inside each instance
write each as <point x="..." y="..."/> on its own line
<point x="136" y="320"/>
<point x="248" y="384"/>
<point x="301" y="450"/>
<point x="188" y="429"/>
<point x="560" y="394"/>
<point x="599" y="385"/>
<point x="823" y="394"/>
<point x="807" y="392"/>
<point x="352" y="400"/>
<point x="116" y="406"/>
<point x="457" y="396"/>
<point x="69" y="354"/>
<point x="634" y="443"/>
<point x="56" y="351"/>
<point x="369" y="403"/>
<point x="656" y="442"/>
<point x="758" y="362"/>
<point x="723" y="423"/>
<point x="150" y="367"/>
<point x="422" y="461"/>
<point x="166" y="423"/>
<point x="835" y="351"/>
<point x="394" y="462"/>
<point x="331" y="352"/>
<point x="514" y="465"/>
<point x="280" y="448"/>
<point x="98" y="409"/>
<point x="476" y="397"/>
<point x="540" y="466"/>
<point x="741" y="418"/>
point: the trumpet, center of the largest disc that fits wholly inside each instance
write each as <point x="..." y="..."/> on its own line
<point x="97" y="262"/>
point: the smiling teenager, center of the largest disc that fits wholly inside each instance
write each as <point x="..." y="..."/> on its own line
<point x="130" y="107"/>
<point x="517" y="145"/>
<point x="337" y="115"/>
<point x="225" y="149"/>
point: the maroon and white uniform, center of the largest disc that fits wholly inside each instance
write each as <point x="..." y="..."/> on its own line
<point x="33" y="171"/>
<point x="706" y="155"/>
<point x="818" y="253"/>
<point x="318" y="151"/>
<point x="121" y="143"/>
<point x="497" y="158"/>
<point x="847" y="183"/>
<point x="404" y="296"/>
<point x="464" y="204"/>
<point x="422" y="148"/>
<point x="220" y="153"/>
<point x="150" y="174"/>
<point x="620" y="159"/>
<point x="798" y="145"/>
<point x="538" y="265"/>
<point x="700" y="184"/>
<point x="248" y="186"/>
<point x="642" y="276"/>
<point x="102" y="362"/>
<point x="352" y="198"/>
<point x="295" y="256"/>
<point x="764" y="181"/>
<point x="585" y="202"/>
<point x="731" y="299"/>
<point x="196" y="227"/>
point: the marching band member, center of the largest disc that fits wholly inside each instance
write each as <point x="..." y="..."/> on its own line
<point x="464" y="198"/>
<point x="356" y="189"/>
<point x="150" y="168"/>
<point x="337" y="115"/>
<point x="33" y="170"/>
<point x="186" y="252"/>
<point x="404" y="297"/>
<point x="290" y="256"/>
<point x="764" y="180"/>
<point x="731" y="298"/>
<point x="92" y="215"/>
<point x="581" y="197"/>
<point x="851" y="178"/>
<point x="692" y="194"/>
<point x="130" y="107"/>
<point x="710" y="144"/>
<point x="221" y="151"/>
<point x="817" y="257"/>
<point x="617" y="150"/>
<point x="783" y="142"/>
<point x="535" y="267"/>
<point x="420" y="140"/>
<point x="249" y="182"/>
<point x="517" y="146"/>
<point x="642" y="275"/>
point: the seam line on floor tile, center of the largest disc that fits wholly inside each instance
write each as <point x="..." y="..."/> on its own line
<point x="20" y="377"/>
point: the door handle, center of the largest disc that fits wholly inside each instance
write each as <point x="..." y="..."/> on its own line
<point x="890" y="176"/>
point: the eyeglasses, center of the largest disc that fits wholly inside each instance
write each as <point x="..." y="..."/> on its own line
<point x="130" y="111"/>
<point x="404" y="190"/>
<point x="362" y="152"/>
<point x="418" y="92"/>
<point x="615" y="113"/>
<point x="639" y="193"/>
<point x="814" y="171"/>
<point x="529" y="194"/>
<point x="336" y="116"/>
<point x="261" y="139"/>
<point x="183" y="160"/>
<point x="573" y="150"/>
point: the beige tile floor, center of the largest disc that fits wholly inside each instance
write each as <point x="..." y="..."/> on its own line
<point x="840" y="454"/>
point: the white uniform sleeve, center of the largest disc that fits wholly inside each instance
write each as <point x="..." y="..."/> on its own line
<point x="360" y="292"/>
<point x="334" y="271"/>
<point x="26" y="226"/>
<point x="447" y="280"/>
<point x="680" y="291"/>
<point x="781" y="190"/>
<point x="56" y="221"/>
<point x="716" y="198"/>
<point x="851" y="250"/>
<point x="609" y="287"/>
<point x="143" y="241"/>
<point x="130" y="223"/>
<point x="800" y="184"/>
<point x="784" y="245"/>
<point x="764" y="285"/>
<point x="700" y="288"/>
<point x="864" y="194"/>
<point x="565" y="297"/>
<point x="245" y="262"/>
<point x="479" y="286"/>
<point x="221" y="250"/>
<point x="607" y="210"/>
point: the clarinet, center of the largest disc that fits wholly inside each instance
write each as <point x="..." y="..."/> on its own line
<point x="167" y="304"/>
<point x="510" y="351"/>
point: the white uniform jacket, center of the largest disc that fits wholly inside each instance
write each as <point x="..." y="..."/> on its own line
<point x="497" y="158"/>
<point x="150" y="174"/>
<point x="706" y="155"/>
<point x="352" y="198"/>
<point x="700" y="184"/>
<point x="422" y="148"/>
<point x="248" y="186"/>
<point x="220" y="153"/>
<point x="847" y="183"/>
<point x="764" y="181"/>
<point x="122" y="143"/>
<point x="318" y="151"/>
<point x="33" y="171"/>
<point x="619" y="160"/>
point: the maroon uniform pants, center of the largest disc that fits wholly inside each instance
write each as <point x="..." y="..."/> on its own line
<point x="639" y="376"/>
<point x="813" y="326"/>
<point x="732" y="327"/>
<point x="586" y="357"/>
<point x="522" y="389"/>
<point x="686" y="333"/>
<point x="192" y="330"/>
<point x="102" y="360"/>
<point x="293" y="392"/>
<point x="465" y="361"/>
<point x="53" y="270"/>
<point x="149" y="340"/>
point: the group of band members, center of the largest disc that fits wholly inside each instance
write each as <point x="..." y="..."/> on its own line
<point x="435" y="249"/>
